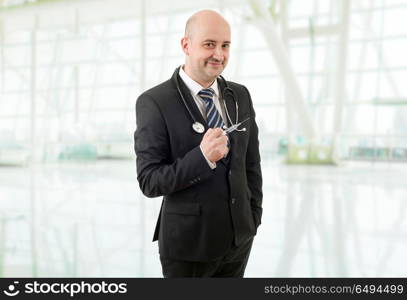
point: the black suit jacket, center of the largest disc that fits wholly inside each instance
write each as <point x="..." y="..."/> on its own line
<point x="203" y="211"/>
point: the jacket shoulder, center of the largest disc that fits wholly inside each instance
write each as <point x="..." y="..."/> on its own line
<point x="159" y="91"/>
<point x="240" y="88"/>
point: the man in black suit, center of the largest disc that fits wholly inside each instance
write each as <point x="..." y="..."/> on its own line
<point x="211" y="181"/>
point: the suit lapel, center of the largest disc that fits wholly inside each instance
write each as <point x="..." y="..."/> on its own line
<point x="229" y="101"/>
<point x="191" y="102"/>
<point x="231" y="109"/>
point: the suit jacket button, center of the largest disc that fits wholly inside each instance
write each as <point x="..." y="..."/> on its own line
<point x="233" y="200"/>
<point x="230" y="172"/>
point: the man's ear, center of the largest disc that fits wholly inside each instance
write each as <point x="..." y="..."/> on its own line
<point x="185" y="45"/>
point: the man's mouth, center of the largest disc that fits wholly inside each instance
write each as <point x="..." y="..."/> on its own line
<point x="215" y="63"/>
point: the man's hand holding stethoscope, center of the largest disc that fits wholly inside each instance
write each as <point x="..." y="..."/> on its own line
<point x="214" y="144"/>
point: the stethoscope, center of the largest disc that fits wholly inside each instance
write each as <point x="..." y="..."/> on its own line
<point x="199" y="127"/>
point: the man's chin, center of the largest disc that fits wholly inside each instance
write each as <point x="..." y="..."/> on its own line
<point x="214" y="72"/>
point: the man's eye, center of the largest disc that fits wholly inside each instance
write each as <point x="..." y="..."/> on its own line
<point x="210" y="44"/>
<point x="226" y="46"/>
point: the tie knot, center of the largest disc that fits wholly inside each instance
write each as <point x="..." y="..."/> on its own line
<point x="206" y="94"/>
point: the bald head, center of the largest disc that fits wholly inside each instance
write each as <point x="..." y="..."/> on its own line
<point x="203" y="18"/>
<point x="206" y="46"/>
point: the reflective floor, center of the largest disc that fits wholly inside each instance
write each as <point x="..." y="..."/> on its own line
<point x="81" y="220"/>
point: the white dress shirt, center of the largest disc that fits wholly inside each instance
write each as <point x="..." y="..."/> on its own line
<point x="194" y="87"/>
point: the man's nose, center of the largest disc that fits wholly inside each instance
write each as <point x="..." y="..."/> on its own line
<point x="218" y="53"/>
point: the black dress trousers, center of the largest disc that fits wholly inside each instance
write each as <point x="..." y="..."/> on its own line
<point x="233" y="264"/>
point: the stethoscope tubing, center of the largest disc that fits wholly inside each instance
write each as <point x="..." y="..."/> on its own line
<point x="227" y="89"/>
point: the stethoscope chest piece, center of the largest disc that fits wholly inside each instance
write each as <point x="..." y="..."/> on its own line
<point x="198" y="127"/>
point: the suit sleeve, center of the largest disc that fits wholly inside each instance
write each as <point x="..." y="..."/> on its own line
<point x="253" y="168"/>
<point x="157" y="174"/>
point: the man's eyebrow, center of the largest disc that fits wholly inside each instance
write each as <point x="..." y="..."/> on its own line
<point x="213" y="41"/>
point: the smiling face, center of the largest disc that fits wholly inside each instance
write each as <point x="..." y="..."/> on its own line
<point x="206" y="46"/>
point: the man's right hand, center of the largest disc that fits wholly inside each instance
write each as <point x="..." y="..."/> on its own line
<point x="214" y="144"/>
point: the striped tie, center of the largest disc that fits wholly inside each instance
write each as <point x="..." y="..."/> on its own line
<point x="213" y="117"/>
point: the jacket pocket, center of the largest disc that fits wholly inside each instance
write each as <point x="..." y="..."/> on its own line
<point x="188" y="209"/>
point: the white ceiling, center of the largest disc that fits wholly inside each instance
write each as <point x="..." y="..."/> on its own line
<point x="64" y="13"/>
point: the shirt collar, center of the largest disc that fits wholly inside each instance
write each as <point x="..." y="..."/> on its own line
<point x="194" y="86"/>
